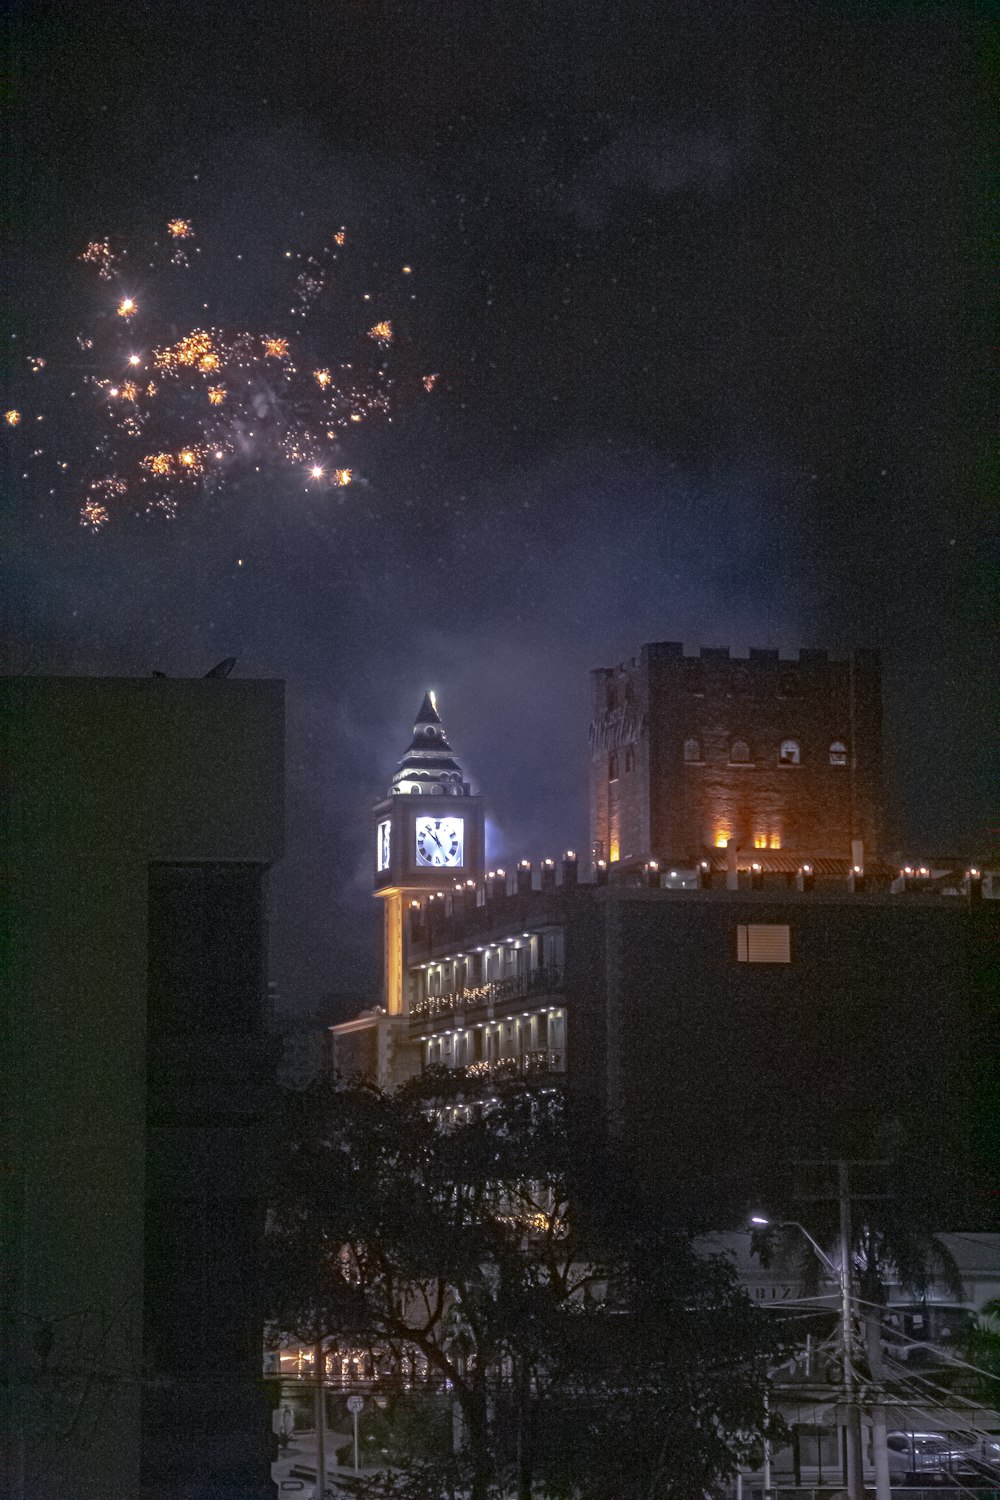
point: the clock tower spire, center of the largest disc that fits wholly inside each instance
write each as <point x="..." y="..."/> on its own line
<point x="428" y="831"/>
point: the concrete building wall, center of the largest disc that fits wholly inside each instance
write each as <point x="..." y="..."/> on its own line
<point x="721" y="1072"/>
<point x="108" y="777"/>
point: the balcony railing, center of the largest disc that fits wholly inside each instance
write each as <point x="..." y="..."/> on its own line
<point x="542" y="981"/>
<point x="527" y="1063"/>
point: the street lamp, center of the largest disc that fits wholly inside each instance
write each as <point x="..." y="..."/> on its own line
<point x="842" y="1275"/>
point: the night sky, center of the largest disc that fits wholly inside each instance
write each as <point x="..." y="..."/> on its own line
<point x="705" y="286"/>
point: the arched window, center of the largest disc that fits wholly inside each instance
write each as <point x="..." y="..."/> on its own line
<point x="788" y="753"/>
<point x="838" y="753"/>
<point x="612" y="767"/>
<point x="629" y="760"/>
<point x="692" y="750"/>
<point x="739" y="753"/>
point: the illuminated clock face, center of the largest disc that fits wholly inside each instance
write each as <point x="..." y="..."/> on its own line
<point x="440" y="841"/>
<point x="382" y="845"/>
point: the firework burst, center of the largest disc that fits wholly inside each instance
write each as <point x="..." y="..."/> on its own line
<point x="180" y="410"/>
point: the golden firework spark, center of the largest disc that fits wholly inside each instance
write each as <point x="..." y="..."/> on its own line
<point x="99" y="253"/>
<point x="152" y="388"/>
<point x="216" y="394"/>
<point x="36" y="362"/>
<point x="429" y="382"/>
<point x="343" y="477"/>
<point x="189" y="459"/>
<point x="127" y="307"/>
<point x="129" y="391"/>
<point x="134" y="360"/>
<point x="340" y="238"/>
<point x="12" y="417"/>
<point x="322" y="377"/>
<point x="161" y="464"/>
<point x="94" y="514"/>
<point x="179" y="229"/>
<point x="275" y="348"/>
<point x="382" y="332"/>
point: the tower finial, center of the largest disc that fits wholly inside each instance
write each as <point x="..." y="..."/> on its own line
<point x="429" y="764"/>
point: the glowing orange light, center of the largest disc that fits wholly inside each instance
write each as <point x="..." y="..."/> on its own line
<point x="158" y="463"/>
<point x="343" y="476"/>
<point x="340" y="238"/>
<point x="12" y="417"/>
<point x="216" y="394"/>
<point x="721" y="840"/>
<point x="275" y="348"/>
<point x="188" y="457"/>
<point x="429" y="382"/>
<point x="381" y="332"/>
<point x="127" y="307"/>
<point x="179" y="229"/>
<point x="134" y="359"/>
<point x="322" y="377"/>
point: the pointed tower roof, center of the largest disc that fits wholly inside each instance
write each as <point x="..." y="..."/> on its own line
<point x="428" y="711"/>
<point x="429" y="765"/>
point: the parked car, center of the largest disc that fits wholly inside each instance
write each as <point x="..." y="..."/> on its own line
<point x="930" y="1453"/>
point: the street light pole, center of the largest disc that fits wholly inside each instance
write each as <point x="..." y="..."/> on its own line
<point x="854" y="1482"/>
<point x="855" y="1465"/>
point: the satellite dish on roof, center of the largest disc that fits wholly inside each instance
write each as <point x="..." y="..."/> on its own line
<point x="222" y="668"/>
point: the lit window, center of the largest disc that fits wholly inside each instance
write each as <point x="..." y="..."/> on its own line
<point x="721" y="840"/>
<point x="739" y="754"/>
<point x="692" y="750"/>
<point x="775" y="841"/>
<point x="763" y="943"/>
<point x="838" y="753"/>
<point x="760" y="841"/>
<point x="788" y="753"/>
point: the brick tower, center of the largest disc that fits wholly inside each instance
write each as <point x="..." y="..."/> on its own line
<point x="780" y="759"/>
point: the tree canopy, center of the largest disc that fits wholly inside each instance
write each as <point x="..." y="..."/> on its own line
<point x="501" y="1246"/>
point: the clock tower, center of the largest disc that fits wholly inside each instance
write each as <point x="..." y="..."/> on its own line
<point x="428" y="835"/>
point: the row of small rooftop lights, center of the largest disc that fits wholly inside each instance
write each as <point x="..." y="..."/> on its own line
<point x="652" y="871"/>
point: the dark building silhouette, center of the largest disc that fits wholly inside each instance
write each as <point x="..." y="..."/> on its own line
<point x="144" y="817"/>
<point x="780" y="759"/>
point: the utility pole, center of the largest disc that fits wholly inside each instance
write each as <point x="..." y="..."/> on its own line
<point x="855" y="1476"/>
<point x="321" y="1421"/>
